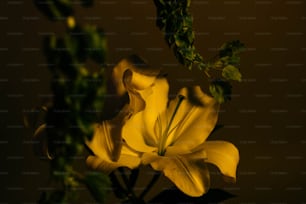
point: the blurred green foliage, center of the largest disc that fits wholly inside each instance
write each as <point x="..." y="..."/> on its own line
<point x="78" y="96"/>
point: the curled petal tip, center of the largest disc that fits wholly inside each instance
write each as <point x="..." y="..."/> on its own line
<point x="41" y="142"/>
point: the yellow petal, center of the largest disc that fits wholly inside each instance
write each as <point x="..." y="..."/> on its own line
<point x="127" y="150"/>
<point x="117" y="76"/>
<point x="190" y="176"/>
<point x="149" y="157"/>
<point x="106" y="166"/>
<point x="137" y="89"/>
<point x="196" y="154"/>
<point x="140" y="77"/>
<point x="136" y="65"/>
<point x="106" y="141"/>
<point x="138" y="131"/>
<point x="41" y="142"/>
<point x="136" y="80"/>
<point x="195" y="119"/>
<point x="224" y="155"/>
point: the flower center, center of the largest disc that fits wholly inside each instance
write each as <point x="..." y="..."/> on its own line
<point x="165" y="134"/>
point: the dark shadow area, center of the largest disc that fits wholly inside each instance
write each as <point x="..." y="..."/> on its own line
<point x="175" y="196"/>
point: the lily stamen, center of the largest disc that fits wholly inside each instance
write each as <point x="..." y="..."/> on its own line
<point x="164" y="136"/>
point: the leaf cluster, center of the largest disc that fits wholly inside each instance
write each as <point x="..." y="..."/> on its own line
<point x="175" y="20"/>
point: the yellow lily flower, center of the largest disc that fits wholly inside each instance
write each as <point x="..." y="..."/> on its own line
<point x="172" y="138"/>
<point x="110" y="152"/>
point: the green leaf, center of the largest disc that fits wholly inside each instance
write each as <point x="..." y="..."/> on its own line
<point x="96" y="43"/>
<point x="234" y="60"/>
<point x="97" y="183"/>
<point x="188" y="3"/>
<point x="179" y="41"/>
<point x="231" y="48"/>
<point x="170" y="40"/>
<point x="231" y="73"/>
<point x="86" y="126"/>
<point x="86" y="41"/>
<point x="159" y="3"/>
<point x="220" y="90"/>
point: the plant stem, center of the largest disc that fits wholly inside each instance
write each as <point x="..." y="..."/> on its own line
<point x="119" y="191"/>
<point x="124" y="177"/>
<point x="133" y="177"/>
<point x="150" y="185"/>
<point x="129" y="189"/>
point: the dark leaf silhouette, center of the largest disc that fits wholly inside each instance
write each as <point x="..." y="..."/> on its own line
<point x="175" y="196"/>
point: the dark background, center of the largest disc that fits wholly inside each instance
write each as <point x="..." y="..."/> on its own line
<point x="265" y="119"/>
